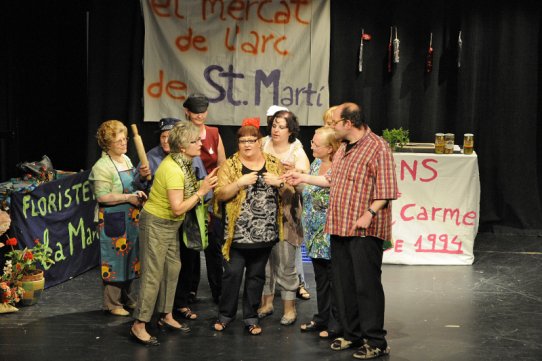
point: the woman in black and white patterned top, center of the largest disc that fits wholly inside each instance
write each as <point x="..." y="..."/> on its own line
<point x="249" y="190"/>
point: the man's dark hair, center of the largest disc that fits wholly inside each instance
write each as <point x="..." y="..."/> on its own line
<point x="353" y="113"/>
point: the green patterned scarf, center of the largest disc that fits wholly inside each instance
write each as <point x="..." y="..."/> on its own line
<point x="191" y="184"/>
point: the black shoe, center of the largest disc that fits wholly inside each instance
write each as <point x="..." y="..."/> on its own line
<point x="162" y="324"/>
<point x="150" y="342"/>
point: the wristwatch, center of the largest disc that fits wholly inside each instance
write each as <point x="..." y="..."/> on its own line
<point x="372" y="212"/>
<point x="281" y="184"/>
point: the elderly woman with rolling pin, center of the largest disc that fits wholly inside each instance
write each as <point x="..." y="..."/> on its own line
<point x="112" y="184"/>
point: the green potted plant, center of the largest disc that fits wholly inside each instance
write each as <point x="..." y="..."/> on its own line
<point x="22" y="270"/>
<point x="397" y="138"/>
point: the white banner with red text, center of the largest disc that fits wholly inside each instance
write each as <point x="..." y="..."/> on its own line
<point x="435" y="219"/>
<point x="243" y="55"/>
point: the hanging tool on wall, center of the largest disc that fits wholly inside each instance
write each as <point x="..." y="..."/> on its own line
<point x="390" y="50"/>
<point x="396" y="48"/>
<point x="429" y="57"/>
<point x="360" y="61"/>
<point x="364" y="37"/>
<point x="459" y="49"/>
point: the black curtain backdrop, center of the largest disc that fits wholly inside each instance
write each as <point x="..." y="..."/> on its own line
<point x="48" y="104"/>
<point x="43" y="84"/>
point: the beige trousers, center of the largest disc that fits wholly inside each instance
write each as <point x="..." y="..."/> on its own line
<point x="160" y="265"/>
<point x="280" y="269"/>
<point x="118" y="294"/>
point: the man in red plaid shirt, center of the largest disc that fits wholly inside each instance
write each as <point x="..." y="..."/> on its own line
<point x="362" y="183"/>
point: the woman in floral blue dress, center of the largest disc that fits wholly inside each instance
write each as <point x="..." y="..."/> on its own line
<point x="315" y="202"/>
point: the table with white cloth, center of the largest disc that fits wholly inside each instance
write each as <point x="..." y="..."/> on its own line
<point x="435" y="218"/>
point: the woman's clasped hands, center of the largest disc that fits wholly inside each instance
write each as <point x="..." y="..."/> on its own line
<point x="252" y="178"/>
<point x="247" y="179"/>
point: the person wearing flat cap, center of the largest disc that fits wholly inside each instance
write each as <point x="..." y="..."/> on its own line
<point x="213" y="155"/>
<point x="157" y="154"/>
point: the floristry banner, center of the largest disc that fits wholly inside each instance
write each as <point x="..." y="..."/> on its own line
<point x="61" y="215"/>
<point x="243" y="55"/>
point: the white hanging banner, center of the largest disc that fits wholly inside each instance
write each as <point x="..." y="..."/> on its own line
<point x="243" y="55"/>
<point x="435" y="220"/>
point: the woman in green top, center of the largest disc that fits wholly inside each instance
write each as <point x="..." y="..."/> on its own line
<point x="112" y="183"/>
<point x="175" y="190"/>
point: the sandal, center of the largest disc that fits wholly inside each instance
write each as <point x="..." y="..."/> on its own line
<point x="219" y="326"/>
<point x="254" y="330"/>
<point x="187" y="313"/>
<point x="340" y="344"/>
<point x="302" y="293"/>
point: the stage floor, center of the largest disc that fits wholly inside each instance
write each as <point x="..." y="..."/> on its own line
<point x="488" y="311"/>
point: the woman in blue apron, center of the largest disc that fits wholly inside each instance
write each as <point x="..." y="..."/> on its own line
<point x="112" y="180"/>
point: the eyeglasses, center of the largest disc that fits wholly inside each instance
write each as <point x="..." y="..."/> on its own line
<point x="195" y="141"/>
<point x="313" y="144"/>
<point x="335" y="122"/>
<point x="120" y="141"/>
<point x="247" y="141"/>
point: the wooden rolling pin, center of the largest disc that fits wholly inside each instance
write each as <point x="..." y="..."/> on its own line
<point x="140" y="148"/>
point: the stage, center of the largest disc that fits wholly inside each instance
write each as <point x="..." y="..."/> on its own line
<point x="487" y="311"/>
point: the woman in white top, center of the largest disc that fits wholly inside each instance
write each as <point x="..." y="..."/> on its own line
<point x="281" y="268"/>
